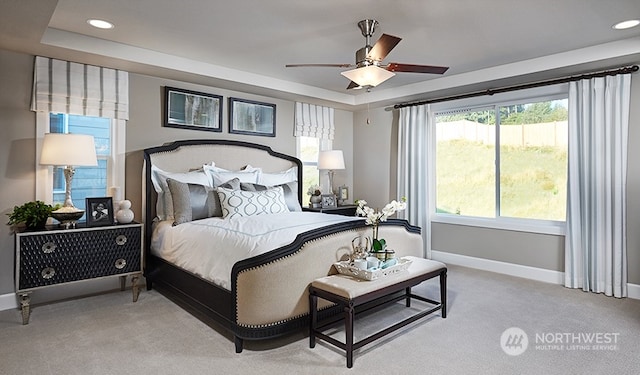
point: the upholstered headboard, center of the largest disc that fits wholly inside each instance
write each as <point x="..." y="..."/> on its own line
<point x="185" y="155"/>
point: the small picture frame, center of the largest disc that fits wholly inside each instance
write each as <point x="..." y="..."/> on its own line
<point x="186" y="109"/>
<point x="328" y="201"/>
<point x="252" y="118"/>
<point x="343" y="193"/>
<point x="99" y="211"/>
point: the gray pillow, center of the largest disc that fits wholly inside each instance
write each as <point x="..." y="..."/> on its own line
<point x="290" y="193"/>
<point x="194" y="201"/>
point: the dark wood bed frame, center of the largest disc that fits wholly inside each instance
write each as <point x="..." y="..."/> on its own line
<point x="213" y="301"/>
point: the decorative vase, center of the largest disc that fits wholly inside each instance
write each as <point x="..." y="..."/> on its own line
<point x="314" y="201"/>
<point x="124" y="214"/>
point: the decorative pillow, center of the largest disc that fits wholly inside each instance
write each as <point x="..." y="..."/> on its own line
<point x="164" y="205"/>
<point x="274" y="179"/>
<point x="251" y="203"/>
<point x="218" y="176"/>
<point x="290" y="190"/>
<point x="193" y="201"/>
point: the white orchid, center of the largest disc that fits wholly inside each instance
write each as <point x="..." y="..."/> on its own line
<point x="374" y="218"/>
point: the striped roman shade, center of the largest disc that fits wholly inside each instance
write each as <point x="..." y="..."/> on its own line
<point x="78" y="89"/>
<point x="314" y="121"/>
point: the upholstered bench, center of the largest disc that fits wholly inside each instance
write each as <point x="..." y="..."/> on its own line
<point x="350" y="292"/>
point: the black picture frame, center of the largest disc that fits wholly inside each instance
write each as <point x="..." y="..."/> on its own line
<point x="328" y="201"/>
<point x="99" y="211"/>
<point x="252" y="118"/>
<point x="194" y="110"/>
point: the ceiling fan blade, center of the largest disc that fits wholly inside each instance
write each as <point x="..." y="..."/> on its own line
<point x="410" y="68"/>
<point x="320" y="65"/>
<point x="352" y="85"/>
<point x="383" y="46"/>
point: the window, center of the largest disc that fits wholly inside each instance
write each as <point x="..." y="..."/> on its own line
<point x="87" y="181"/>
<point x="308" y="149"/>
<point x="503" y="161"/>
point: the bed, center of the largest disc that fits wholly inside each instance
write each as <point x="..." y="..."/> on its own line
<point x="258" y="293"/>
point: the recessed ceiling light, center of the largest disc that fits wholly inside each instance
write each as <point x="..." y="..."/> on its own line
<point x="626" y="24"/>
<point x="100" y="24"/>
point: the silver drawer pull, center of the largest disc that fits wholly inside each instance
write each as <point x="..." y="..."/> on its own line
<point x="120" y="263"/>
<point x="121" y="240"/>
<point x="49" y="247"/>
<point x="48" y="273"/>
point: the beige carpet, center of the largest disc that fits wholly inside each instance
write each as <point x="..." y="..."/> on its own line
<point x="108" y="334"/>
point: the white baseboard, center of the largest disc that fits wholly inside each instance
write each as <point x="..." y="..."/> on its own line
<point x="527" y="272"/>
<point x="8" y="301"/>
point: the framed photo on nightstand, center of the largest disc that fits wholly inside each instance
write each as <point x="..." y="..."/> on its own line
<point x="328" y="201"/>
<point x="99" y="211"/>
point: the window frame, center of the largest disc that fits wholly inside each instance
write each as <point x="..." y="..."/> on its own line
<point x="115" y="161"/>
<point x="551" y="92"/>
<point x="323" y="145"/>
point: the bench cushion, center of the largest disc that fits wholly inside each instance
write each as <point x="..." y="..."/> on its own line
<point x="351" y="287"/>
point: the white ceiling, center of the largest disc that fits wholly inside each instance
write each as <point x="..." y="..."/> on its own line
<point x="244" y="45"/>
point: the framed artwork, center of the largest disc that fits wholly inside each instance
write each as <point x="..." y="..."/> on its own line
<point x="99" y="211"/>
<point x="252" y="118"/>
<point x="193" y="110"/>
<point x="328" y="201"/>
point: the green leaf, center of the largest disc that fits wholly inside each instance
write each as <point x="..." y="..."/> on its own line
<point x="379" y="245"/>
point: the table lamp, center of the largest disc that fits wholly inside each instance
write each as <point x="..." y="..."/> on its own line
<point x="68" y="150"/>
<point x="330" y="161"/>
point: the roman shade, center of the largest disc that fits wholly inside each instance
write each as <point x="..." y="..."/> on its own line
<point x="314" y="121"/>
<point x="78" y="89"/>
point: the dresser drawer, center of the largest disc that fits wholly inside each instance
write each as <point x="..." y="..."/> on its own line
<point x="49" y="258"/>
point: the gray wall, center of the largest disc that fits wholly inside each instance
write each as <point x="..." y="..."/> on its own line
<point x="374" y="178"/>
<point x="144" y="129"/>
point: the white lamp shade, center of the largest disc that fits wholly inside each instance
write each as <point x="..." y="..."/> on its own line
<point x="331" y="160"/>
<point x="370" y="75"/>
<point x="68" y="149"/>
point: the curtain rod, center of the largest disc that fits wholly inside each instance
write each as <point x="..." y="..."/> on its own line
<point x="622" y="70"/>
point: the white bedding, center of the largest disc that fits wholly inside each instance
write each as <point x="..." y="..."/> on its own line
<point x="210" y="247"/>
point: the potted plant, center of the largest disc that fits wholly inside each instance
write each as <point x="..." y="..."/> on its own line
<point x="33" y="214"/>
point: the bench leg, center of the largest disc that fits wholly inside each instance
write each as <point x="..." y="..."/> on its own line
<point x="348" y="327"/>
<point x="407" y="293"/>
<point x="313" y="320"/>
<point x="443" y="292"/>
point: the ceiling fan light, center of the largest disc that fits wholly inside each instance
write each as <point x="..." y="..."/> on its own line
<point x="370" y="75"/>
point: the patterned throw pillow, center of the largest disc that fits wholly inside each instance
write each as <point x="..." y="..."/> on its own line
<point x="251" y="203"/>
<point x="290" y="193"/>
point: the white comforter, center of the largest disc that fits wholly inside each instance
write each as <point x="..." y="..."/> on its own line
<point x="210" y="247"/>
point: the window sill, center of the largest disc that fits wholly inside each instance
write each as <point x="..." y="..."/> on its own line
<point x="519" y="225"/>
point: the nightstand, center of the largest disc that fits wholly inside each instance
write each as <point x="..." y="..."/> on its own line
<point x="345" y="210"/>
<point x="60" y="256"/>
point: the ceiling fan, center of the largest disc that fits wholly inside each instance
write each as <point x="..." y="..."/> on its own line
<point x="369" y="70"/>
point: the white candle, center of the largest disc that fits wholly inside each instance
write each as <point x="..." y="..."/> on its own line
<point x="115" y="193"/>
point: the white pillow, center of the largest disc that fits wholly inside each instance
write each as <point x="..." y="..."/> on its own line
<point x="273" y="179"/>
<point x="219" y="176"/>
<point x="164" y="205"/>
<point x="251" y="203"/>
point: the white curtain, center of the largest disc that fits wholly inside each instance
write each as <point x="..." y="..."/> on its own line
<point x="314" y="121"/>
<point x="413" y="160"/>
<point x="595" y="244"/>
<point x="78" y="89"/>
